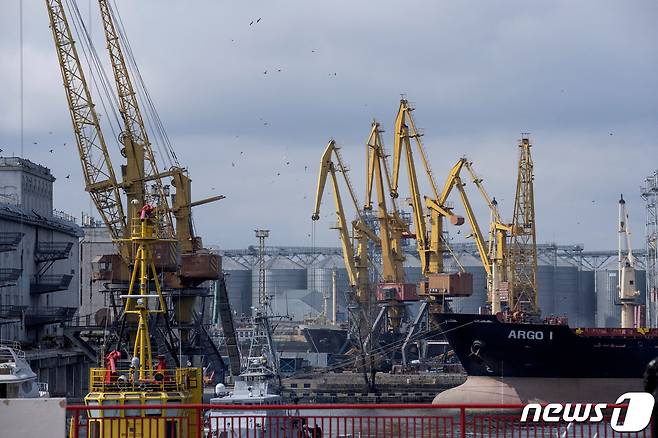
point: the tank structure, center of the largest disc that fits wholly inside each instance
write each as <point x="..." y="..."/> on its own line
<point x="238" y="279"/>
<point x="281" y="275"/>
<point x="571" y="279"/>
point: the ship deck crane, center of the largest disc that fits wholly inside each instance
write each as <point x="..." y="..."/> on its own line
<point x="628" y="292"/>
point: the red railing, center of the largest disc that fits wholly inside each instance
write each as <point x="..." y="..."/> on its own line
<point x="325" y="420"/>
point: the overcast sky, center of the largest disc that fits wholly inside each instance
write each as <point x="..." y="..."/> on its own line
<point x="581" y="77"/>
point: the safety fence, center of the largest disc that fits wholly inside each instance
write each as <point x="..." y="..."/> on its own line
<point x="329" y="420"/>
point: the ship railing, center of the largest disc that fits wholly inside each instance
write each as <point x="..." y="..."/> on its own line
<point x="336" y="420"/>
<point x="6" y="355"/>
<point x="121" y="380"/>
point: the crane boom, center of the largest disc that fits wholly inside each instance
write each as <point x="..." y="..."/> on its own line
<point x="389" y="228"/>
<point x="356" y="264"/>
<point x="135" y="138"/>
<point x="100" y="180"/>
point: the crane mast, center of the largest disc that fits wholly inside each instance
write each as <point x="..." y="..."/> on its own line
<point x="135" y="140"/>
<point x="100" y="180"/>
<point x="523" y="245"/>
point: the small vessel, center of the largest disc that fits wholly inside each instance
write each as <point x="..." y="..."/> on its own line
<point x="17" y="380"/>
<point x="259" y="384"/>
<point x="256" y="386"/>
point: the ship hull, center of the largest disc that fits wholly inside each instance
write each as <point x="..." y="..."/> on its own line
<point x="519" y="362"/>
<point x="521" y="390"/>
<point x="325" y="339"/>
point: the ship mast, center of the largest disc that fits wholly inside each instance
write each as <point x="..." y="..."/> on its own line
<point x="626" y="270"/>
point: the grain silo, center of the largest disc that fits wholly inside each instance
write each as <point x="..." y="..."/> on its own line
<point x="319" y="279"/>
<point x="608" y="310"/>
<point x="238" y="284"/>
<point x="281" y="275"/>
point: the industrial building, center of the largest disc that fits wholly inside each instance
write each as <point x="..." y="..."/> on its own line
<point x="39" y="274"/>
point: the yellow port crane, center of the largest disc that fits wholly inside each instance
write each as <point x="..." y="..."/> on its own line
<point x="100" y="180"/>
<point x="393" y="290"/>
<point x="492" y="255"/>
<point x="438" y="286"/>
<point x="428" y="243"/>
<point x="192" y="265"/>
<point x="497" y="285"/>
<point x="522" y="250"/>
<point x="356" y="261"/>
<point x="391" y="226"/>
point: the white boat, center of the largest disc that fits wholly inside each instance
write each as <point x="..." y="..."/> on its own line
<point x="17" y="380"/>
<point x="255" y="387"/>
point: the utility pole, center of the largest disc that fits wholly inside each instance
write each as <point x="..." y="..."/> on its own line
<point x="523" y="247"/>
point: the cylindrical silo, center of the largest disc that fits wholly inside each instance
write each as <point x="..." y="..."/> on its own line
<point x="608" y="310"/>
<point x="546" y="287"/>
<point x="238" y="285"/>
<point x="566" y="289"/>
<point x="412" y="270"/>
<point x="319" y="279"/>
<point x="473" y="265"/>
<point x="587" y="300"/>
<point x="281" y="275"/>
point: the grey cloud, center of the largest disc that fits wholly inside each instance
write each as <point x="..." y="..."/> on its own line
<point x="479" y="73"/>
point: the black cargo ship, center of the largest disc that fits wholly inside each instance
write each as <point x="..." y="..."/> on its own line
<point x="520" y="362"/>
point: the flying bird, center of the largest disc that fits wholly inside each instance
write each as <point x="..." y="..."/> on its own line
<point x="265" y="72"/>
<point x="34" y="142"/>
<point x="258" y="21"/>
<point x="68" y="176"/>
<point x="232" y="164"/>
<point x="252" y="22"/>
<point x="51" y="150"/>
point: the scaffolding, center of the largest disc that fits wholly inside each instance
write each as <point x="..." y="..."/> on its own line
<point x="650" y="196"/>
